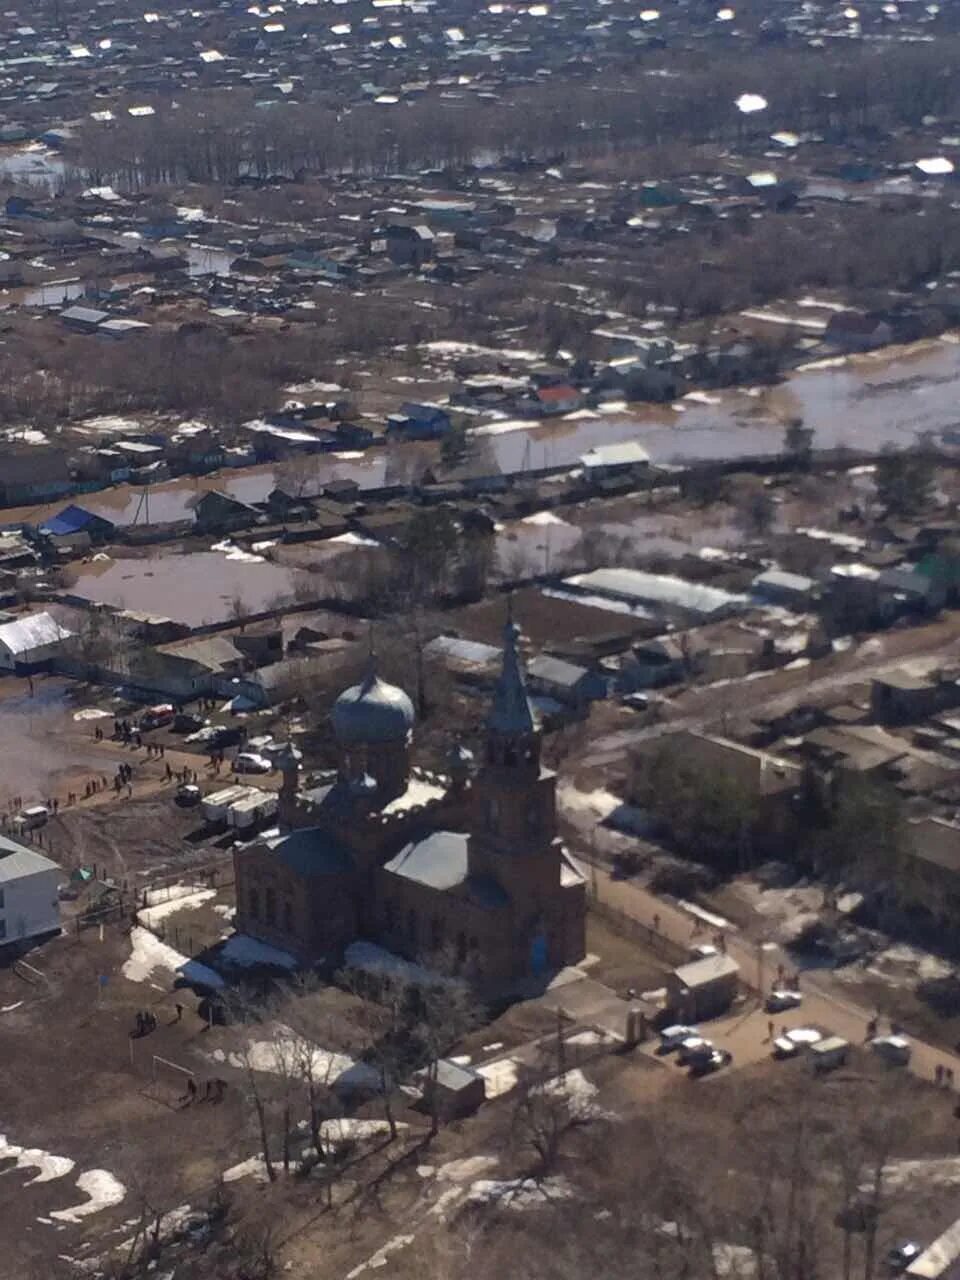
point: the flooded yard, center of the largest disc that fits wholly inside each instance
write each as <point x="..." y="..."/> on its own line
<point x="208" y="586"/>
<point x="886" y="398"/>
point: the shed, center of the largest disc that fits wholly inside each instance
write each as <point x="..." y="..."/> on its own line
<point x="84" y="319"/>
<point x="776" y="586"/>
<point x="702" y="989"/>
<point x="452" y="1090"/>
<point x="31" y="641"/>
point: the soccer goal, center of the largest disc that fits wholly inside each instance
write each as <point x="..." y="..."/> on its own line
<point x="170" y="1083"/>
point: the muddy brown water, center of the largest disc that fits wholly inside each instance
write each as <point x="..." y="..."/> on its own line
<point x="192" y="589"/>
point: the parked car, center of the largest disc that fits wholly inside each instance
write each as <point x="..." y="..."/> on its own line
<point x="713" y="1061"/>
<point x="894" y="1050"/>
<point x="157" y="717"/>
<point x="250" y="762"/>
<point x="672" y="1037"/>
<point x="901" y="1255"/>
<point x="779" y="1000"/>
<point x="792" y="1042"/>
<point x="188" y="795"/>
<point x="187" y="722"/>
<point x="693" y="1049"/>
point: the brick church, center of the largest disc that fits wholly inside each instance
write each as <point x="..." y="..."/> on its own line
<point x="468" y="866"/>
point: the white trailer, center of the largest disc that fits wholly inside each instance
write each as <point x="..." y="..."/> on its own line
<point x="251" y="808"/>
<point x="216" y="804"/>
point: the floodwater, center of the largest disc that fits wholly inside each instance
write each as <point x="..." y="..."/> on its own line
<point x="554" y="541"/>
<point x="193" y="589"/>
<point x="174" y="499"/>
<point x="33" y="166"/>
<point x="889" y="397"/>
<point x="52" y="294"/>
<point x="202" y="260"/>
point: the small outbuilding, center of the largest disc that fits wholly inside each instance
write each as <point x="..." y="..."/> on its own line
<point x="702" y="989"/>
<point x="453" y="1090"/>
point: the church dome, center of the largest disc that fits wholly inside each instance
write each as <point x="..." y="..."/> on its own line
<point x="371" y="712"/>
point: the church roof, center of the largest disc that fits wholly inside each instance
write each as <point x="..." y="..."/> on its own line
<point x="511" y="712"/>
<point x="372" y="711"/>
<point x="311" y="851"/>
<point x="441" y="861"/>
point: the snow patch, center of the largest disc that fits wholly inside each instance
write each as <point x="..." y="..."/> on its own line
<point x="545" y="518"/>
<point x="49" y="1167"/>
<point x="255" y="1167"/>
<point x="501" y="1076"/>
<point x="103" y="1191"/>
<point x="379" y="1259"/>
<point x="243" y="952"/>
<point x="288" y="1054"/>
<point x="189" y="901"/>
<point x="520" y="1193"/>
<point x="149" y="953"/>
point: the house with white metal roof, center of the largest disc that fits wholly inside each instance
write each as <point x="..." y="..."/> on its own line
<point x="29" y="642"/>
<point x="29" y="903"/>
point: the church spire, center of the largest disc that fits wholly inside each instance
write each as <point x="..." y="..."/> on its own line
<point x="511" y="713"/>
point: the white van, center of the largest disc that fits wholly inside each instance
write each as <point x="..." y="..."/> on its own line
<point x="29" y="819"/>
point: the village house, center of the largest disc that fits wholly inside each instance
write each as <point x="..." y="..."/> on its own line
<point x="31" y="642"/>
<point x="216" y="512"/>
<point x="29" y="903"/>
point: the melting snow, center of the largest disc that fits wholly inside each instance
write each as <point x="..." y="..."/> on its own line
<point x="379" y="1259"/>
<point x="520" y="1193"/>
<point x="102" y="1189"/>
<point x="49" y="1167"/>
<point x="244" y="952"/>
<point x="189" y="901"/>
<point x="501" y="1076"/>
<point x="149" y="953"/>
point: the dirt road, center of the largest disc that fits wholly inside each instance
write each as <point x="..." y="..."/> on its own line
<point x="825" y="1003"/>
<point x="775" y="692"/>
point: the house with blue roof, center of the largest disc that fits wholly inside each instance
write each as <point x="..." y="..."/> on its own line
<point x="73" y="522"/>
